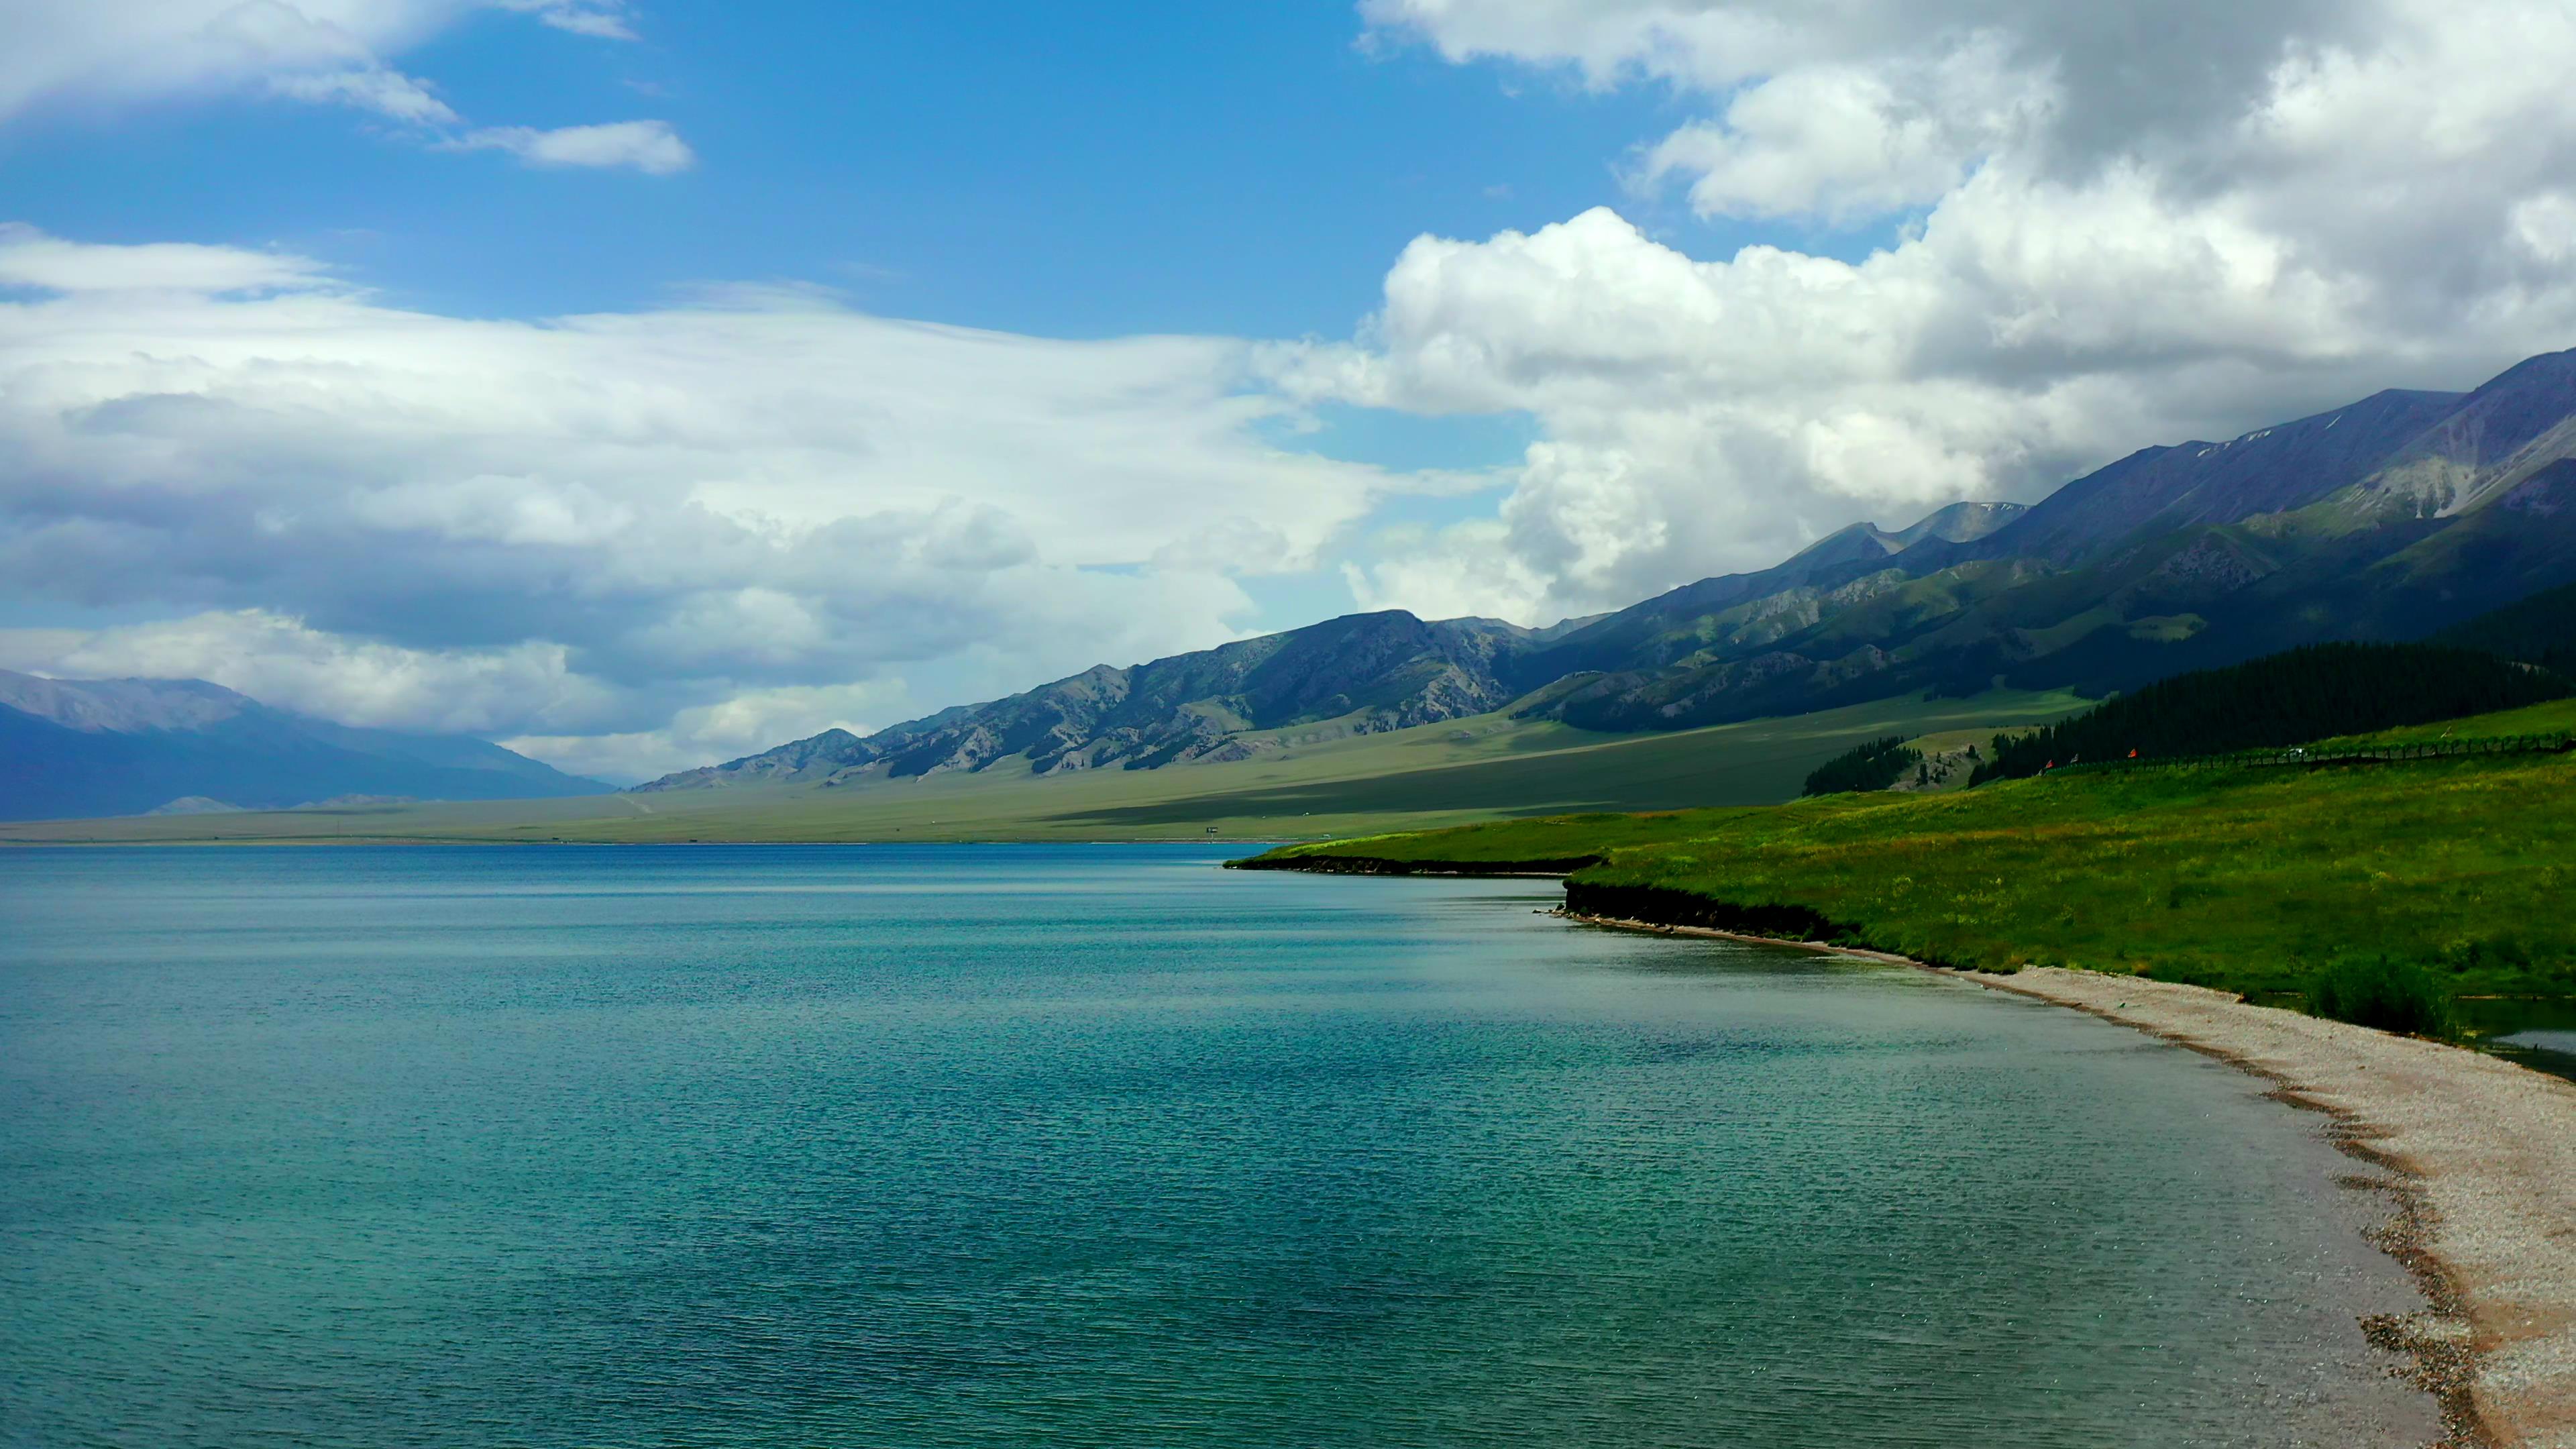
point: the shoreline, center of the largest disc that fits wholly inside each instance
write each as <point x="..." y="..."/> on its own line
<point x="2483" y="1150"/>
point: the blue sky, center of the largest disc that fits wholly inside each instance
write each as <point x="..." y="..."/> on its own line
<point x="1227" y="170"/>
<point x="643" y="382"/>
<point x="1243" y="170"/>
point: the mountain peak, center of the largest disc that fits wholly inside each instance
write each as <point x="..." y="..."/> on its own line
<point x="1959" y="523"/>
<point x="72" y="748"/>
<point x="121" y="706"/>
<point x="1867" y="542"/>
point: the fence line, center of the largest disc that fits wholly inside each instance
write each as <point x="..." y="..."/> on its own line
<point x="2557" y="744"/>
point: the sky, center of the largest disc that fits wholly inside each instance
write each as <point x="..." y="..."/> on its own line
<point x="644" y="383"/>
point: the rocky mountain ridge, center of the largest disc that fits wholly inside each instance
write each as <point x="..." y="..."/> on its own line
<point x="1373" y="672"/>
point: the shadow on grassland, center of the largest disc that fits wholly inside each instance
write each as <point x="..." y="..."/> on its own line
<point x="1655" y="773"/>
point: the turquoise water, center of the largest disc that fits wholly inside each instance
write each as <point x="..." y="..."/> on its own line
<point x="1099" y="1146"/>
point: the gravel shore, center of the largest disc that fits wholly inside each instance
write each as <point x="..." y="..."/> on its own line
<point x="2489" y="1149"/>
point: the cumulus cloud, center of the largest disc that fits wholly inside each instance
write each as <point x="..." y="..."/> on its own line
<point x="651" y="147"/>
<point x="2107" y="226"/>
<point x="2132" y="73"/>
<point x="1468" y="570"/>
<point x="1846" y="142"/>
<point x="588" y="526"/>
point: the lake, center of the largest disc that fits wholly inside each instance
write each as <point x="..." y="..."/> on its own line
<point x="1094" y="1146"/>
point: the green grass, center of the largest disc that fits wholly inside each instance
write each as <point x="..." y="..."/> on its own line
<point x="2248" y="880"/>
<point x="1322" y="782"/>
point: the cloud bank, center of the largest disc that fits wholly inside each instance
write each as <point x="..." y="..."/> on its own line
<point x="2010" y="240"/>
<point x="2102" y="226"/>
<point x="584" y="529"/>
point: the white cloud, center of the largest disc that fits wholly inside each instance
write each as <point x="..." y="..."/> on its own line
<point x="1467" y="570"/>
<point x="2129" y="232"/>
<point x="651" y="147"/>
<point x="745" y="724"/>
<point x="105" y="54"/>
<point x="599" y="19"/>
<point x="1847" y="142"/>
<point x="31" y="259"/>
<point x="371" y="88"/>
<point x="613" y="519"/>
<point x="2546" y="226"/>
<point x="2128" y="70"/>
<point x="113" y="52"/>
<point x="279" y="660"/>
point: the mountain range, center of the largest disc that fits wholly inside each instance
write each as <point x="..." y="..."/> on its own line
<point x="79" y="749"/>
<point x="2392" y="518"/>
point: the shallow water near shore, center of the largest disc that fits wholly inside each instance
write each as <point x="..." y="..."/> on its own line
<point x="2539" y="1034"/>
<point x="1098" y="1146"/>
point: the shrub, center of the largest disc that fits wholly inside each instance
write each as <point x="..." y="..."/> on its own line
<point x="2375" y="991"/>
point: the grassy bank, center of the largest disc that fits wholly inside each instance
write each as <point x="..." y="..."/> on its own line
<point x="2247" y="880"/>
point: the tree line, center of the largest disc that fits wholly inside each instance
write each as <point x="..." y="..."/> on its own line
<point x="2538" y="630"/>
<point x="1872" y="766"/>
<point x="2307" y="694"/>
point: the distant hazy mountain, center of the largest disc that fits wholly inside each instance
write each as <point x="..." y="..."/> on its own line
<point x="2393" y="518"/>
<point x="73" y="749"/>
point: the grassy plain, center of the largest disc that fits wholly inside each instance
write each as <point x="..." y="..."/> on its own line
<point x="2250" y="880"/>
<point x="1486" y="768"/>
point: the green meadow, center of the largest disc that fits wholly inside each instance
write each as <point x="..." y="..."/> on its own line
<point x="1306" y="783"/>
<point x="2251" y="880"/>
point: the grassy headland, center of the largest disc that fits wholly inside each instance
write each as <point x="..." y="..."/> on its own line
<point x="2251" y="880"/>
